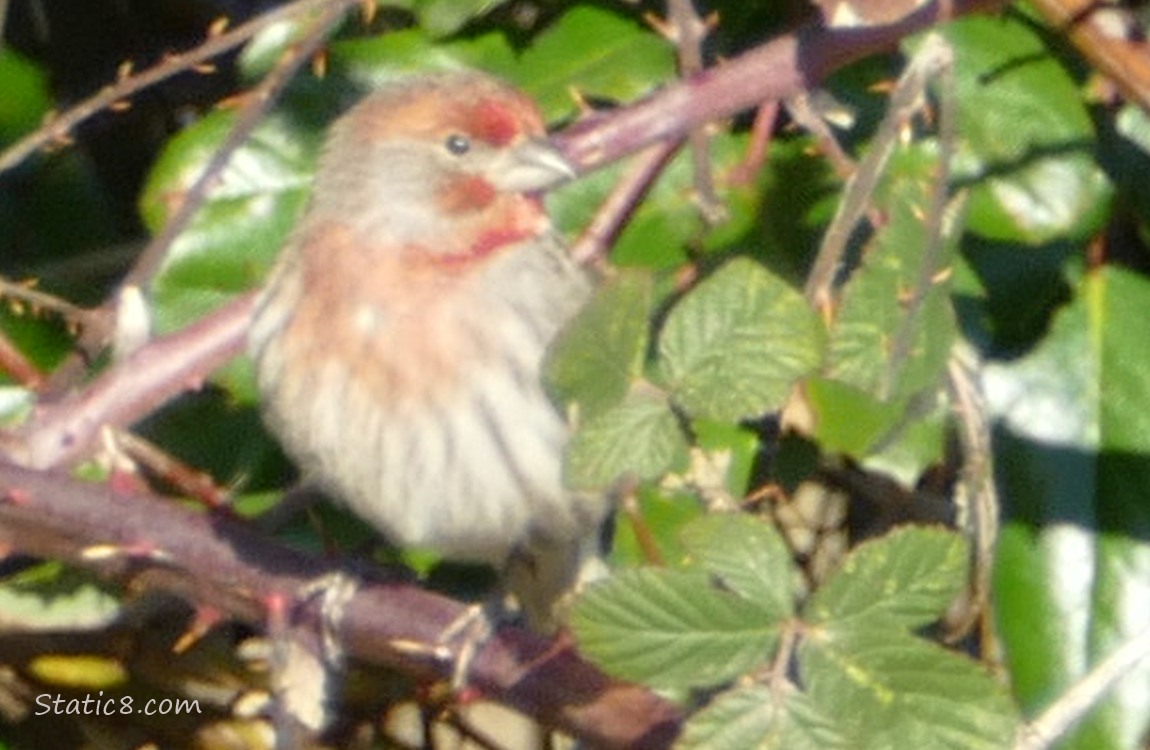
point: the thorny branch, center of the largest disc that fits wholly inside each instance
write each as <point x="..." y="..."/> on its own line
<point x="688" y="30"/>
<point x="147" y="542"/>
<point x="58" y="128"/>
<point x="861" y="185"/>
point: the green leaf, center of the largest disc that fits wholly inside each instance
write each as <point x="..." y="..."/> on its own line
<point x="671" y="628"/>
<point x="640" y="437"/>
<point x="598" y="53"/>
<point x="366" y="62"/>
<point x="903" y="580"/>
<point x="601" y="354"/>
<point x="919" y="442"/>
<point x="748" y="555"/>
<point x="1026" y="139"/>
<point x="1074" y="565"/>
<point x="846" y="419"/>
<point x="26" y="96"/>
<point x="443" y="17"/>
<point x="890" y="690"/>
<point x="735" y="344"/>
<point x="901" y="440"/>
<point x="760" y="718"/>
<point x="236" y="234"/>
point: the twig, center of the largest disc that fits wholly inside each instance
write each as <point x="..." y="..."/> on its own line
<point x="934" y="57"/>
<point x="609" y="220"/>
<point x="1073" y="705"/>
<point x="28" y="295"/>
<point x="804" y="113"/>
<point x="19" y="367"/>
<point x="59" y="127"/>
<point x="976" y="495"/>
<point x="187" y="479"/>
<point x="688" y="31"/>
<point x="761" y="130"/>
<point x="860" y="186"/>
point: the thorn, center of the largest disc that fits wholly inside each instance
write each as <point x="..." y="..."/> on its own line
<point x="204" y="620"/>
<point x="581" y="102"/>
<point x="437" y="652"/>
<point x="218" y="26"/>
<point x="276" y="605"/>
<point x="826" y="309"/>
<point x="120" y="105"/>
<point x="367" y="11"/>
<point x="662" y="27"/>
<point x="145" y="550"/>
<point x="319" y="64"/>
<point x="205" y="68"/>
<point x="17" y="496"/>
<point x="468" y="694"/>
<point x="62" y="140"/>
<point x="125" y="70"/>
<point x="232" y="102"/>
<point x="942" y="275"/>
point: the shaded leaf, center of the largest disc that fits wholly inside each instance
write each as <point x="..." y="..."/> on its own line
<point x="1026" y="139"/>
<point x="601" y="353"/>
<point x="1073" y="567"/>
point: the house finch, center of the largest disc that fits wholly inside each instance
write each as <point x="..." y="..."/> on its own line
<point x="400" y="338"/>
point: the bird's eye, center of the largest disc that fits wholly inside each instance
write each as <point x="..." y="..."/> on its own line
<point x="457" y="144"/>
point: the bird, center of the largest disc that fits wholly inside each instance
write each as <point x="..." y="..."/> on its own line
<point x="400" y="339"/>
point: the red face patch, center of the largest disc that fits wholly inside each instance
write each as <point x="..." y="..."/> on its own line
<point x="494" y="123"/>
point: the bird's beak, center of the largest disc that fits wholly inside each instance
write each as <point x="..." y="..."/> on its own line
<point x="532" y="166"/>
